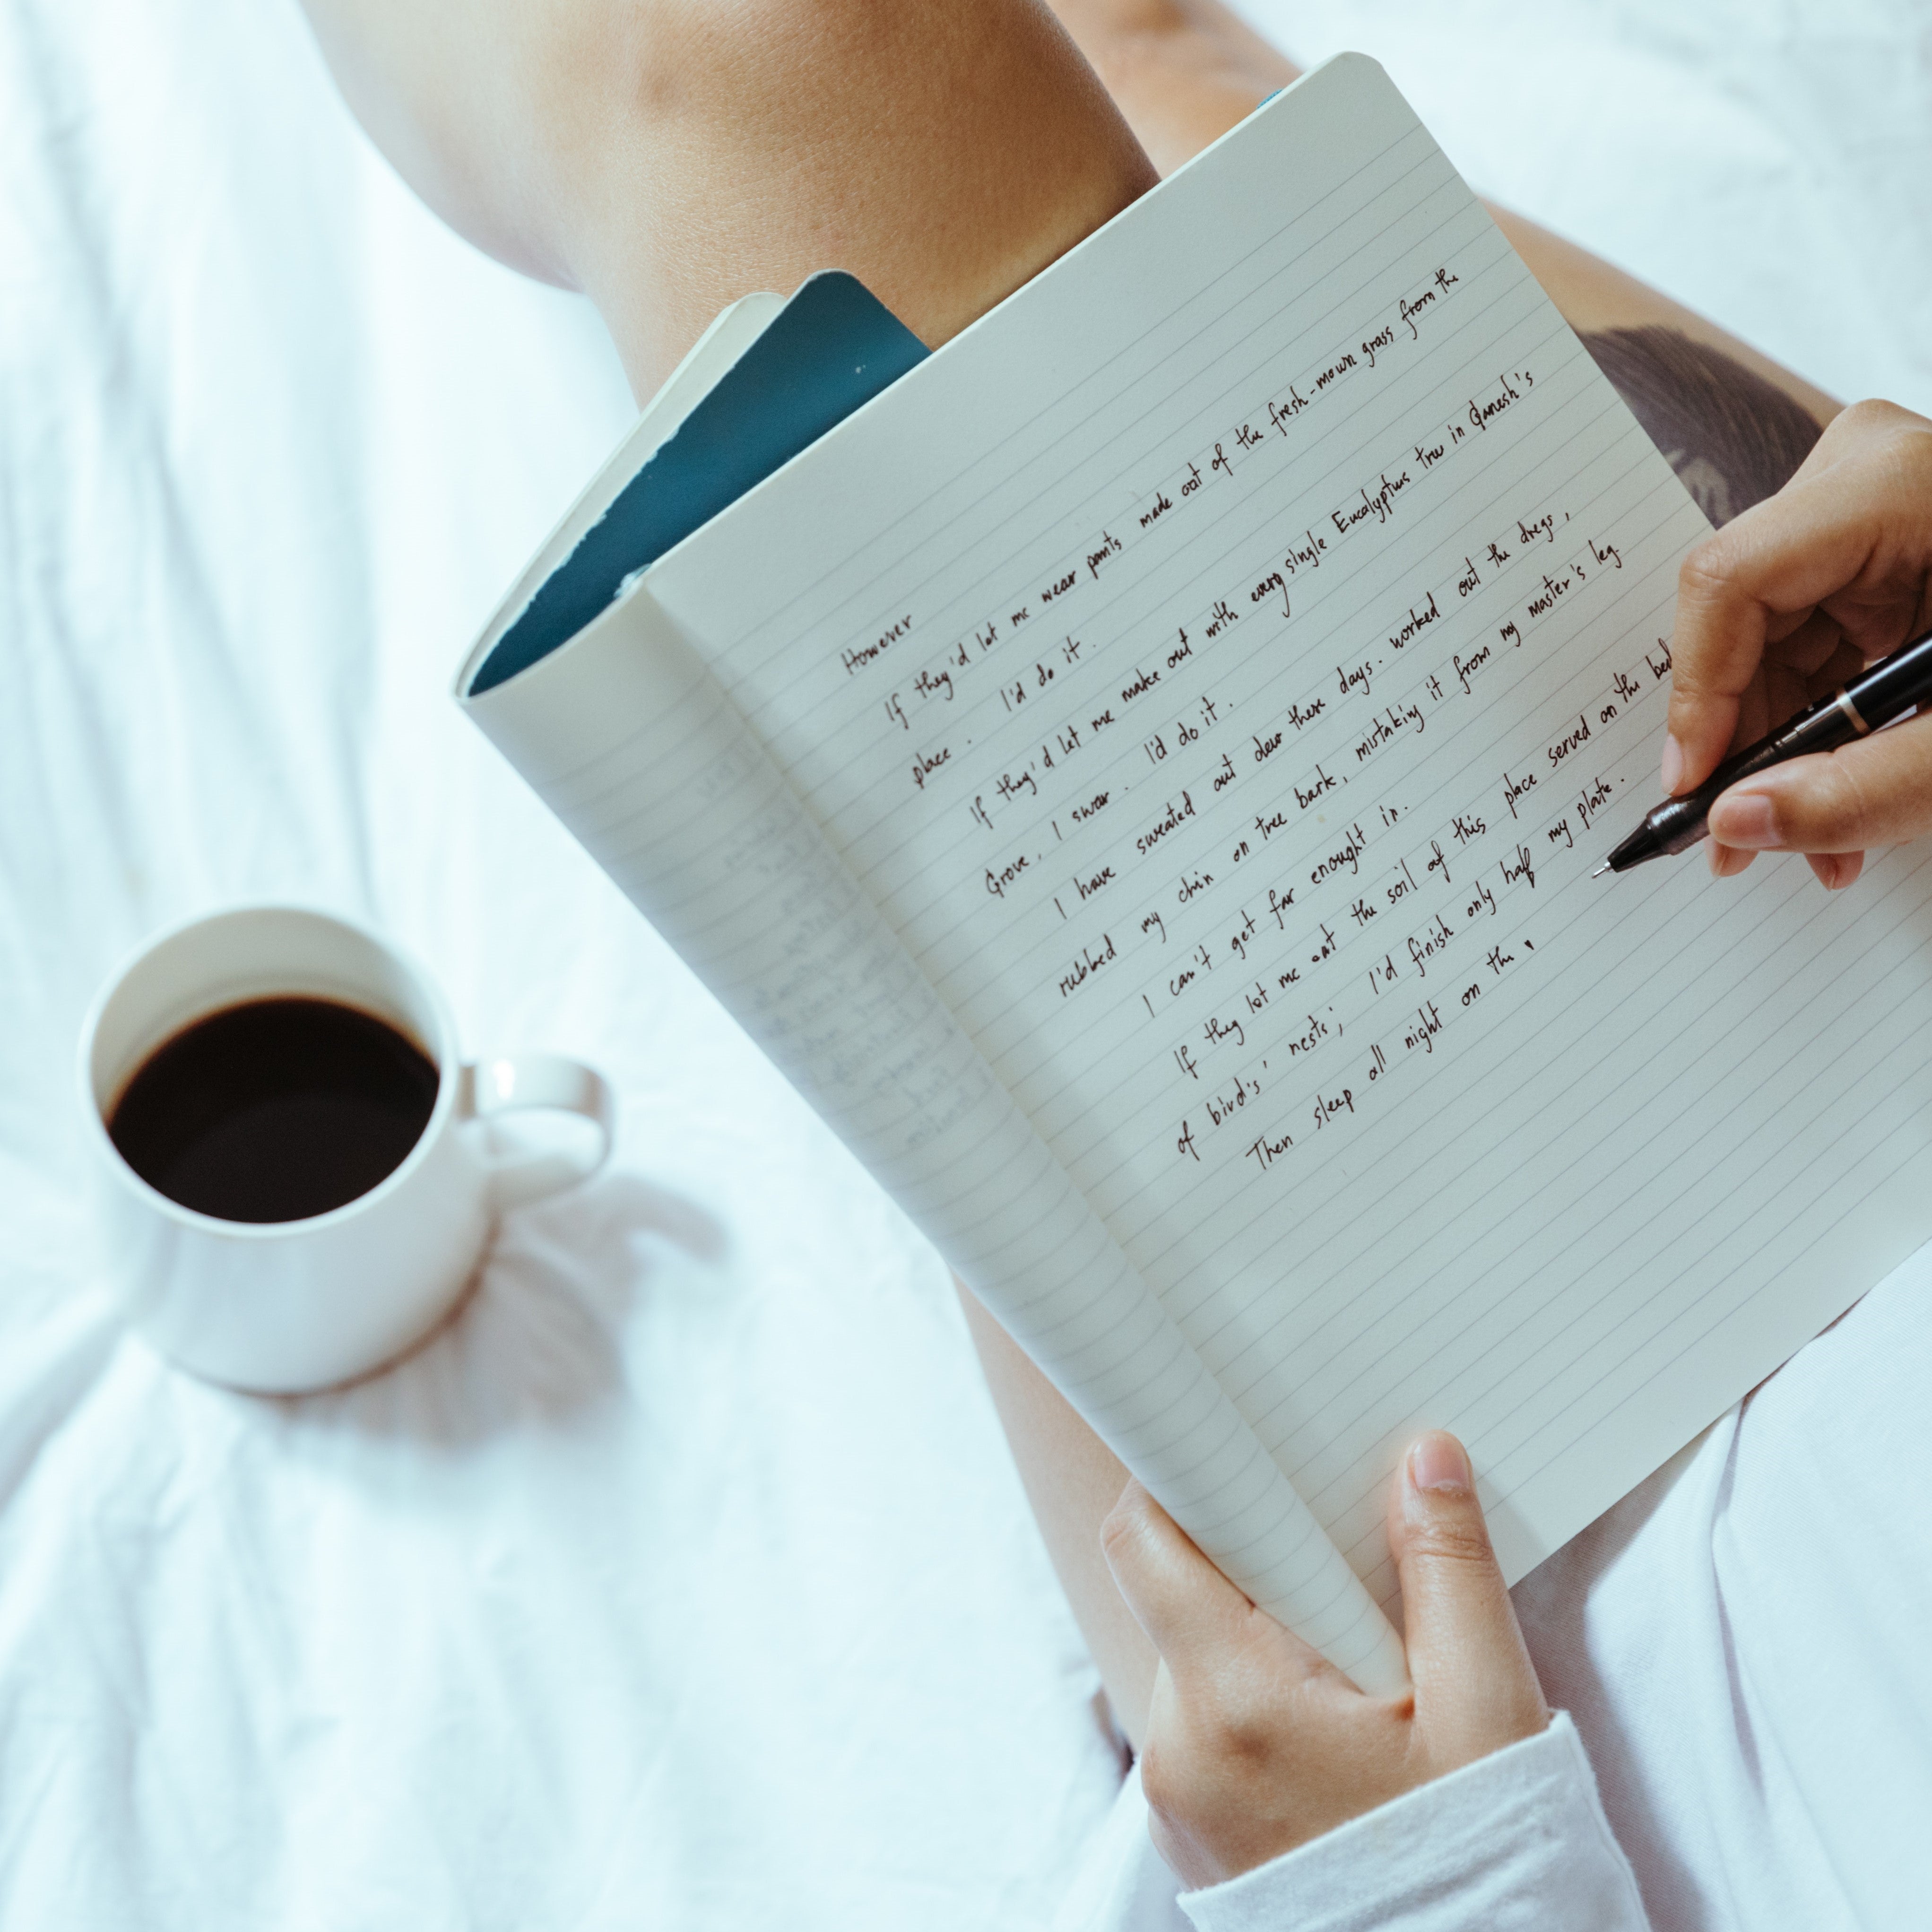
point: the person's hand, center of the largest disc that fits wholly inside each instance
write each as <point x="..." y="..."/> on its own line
<point x="1780" y="608"/>
<point x="1255" y="1743"/>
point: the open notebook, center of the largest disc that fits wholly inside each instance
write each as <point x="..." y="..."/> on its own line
<point x="1138" y="775"/>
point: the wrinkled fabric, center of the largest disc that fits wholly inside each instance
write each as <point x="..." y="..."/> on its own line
<point x="684" y="1580"/>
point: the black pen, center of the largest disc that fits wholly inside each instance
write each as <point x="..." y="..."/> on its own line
<point x="1889" y="689"/>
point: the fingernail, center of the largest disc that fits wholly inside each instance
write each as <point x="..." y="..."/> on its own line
<point x="1745" y="819"/>
<point x="1673" y="765"/>
<point x="1437" y="1464"/>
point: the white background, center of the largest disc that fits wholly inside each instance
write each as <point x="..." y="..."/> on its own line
<point x="685" y="1581"/>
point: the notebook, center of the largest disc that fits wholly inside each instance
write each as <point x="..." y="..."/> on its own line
<point x="1137" y="771"/>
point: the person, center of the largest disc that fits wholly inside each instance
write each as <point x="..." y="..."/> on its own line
<point x="664" y="159"/>
<point x="1252" y="1746"/>
<point x="1836" y="568"/>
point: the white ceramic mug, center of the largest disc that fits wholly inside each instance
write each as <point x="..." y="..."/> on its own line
<point x="282" y="1306"/>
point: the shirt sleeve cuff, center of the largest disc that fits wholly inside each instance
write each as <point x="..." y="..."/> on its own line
<point x="1517" y="1839"/>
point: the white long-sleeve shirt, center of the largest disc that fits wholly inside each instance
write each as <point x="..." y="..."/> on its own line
<point x="1517" y="1839"/>
<point x="1740" y="1645"/>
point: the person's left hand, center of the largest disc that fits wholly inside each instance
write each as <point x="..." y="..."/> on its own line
<point x="1255" y="1743"/>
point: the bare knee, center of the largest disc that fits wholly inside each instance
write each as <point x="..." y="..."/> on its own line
<point x="666" y="157"/>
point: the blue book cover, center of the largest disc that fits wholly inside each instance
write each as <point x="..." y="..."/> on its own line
<point x="829" y="350"/>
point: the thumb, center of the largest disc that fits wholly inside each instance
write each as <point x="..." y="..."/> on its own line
<point x="1877" y="791"/>
<point x="1475" y="1687"/>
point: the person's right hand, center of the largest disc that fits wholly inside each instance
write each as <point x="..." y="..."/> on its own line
<point x="1780" y="608"/>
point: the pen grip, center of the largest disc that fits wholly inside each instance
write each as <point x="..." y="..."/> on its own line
<point x="1824" y="727"/>
<point x="1892" y="685"/>
<point x="1678" y="824"/>
<point x="1887" y="690"/>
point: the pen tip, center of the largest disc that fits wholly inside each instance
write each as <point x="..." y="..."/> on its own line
<point x="1601" y="870"/>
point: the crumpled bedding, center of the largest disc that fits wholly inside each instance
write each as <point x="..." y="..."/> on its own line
<point x="684" y="1579"/>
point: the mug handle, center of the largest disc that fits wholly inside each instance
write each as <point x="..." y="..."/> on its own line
<point x="539" y="1080"/>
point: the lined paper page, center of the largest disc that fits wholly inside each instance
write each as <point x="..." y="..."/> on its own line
<point x="629" y="739"/>
<point x="1223" y="665"/>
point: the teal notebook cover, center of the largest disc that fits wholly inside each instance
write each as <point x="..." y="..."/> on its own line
<point x="831" y="349"/>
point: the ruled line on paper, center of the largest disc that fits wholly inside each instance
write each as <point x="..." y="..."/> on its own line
<point x="1457" y="784"/>
<point x="1484" y="724"/>
<point x="700" y="822"/>
<point x="996" y="453"/>
<point x="1482" y="254"/>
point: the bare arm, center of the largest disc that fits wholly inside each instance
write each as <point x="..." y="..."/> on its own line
<point x="1072" y="1479"/>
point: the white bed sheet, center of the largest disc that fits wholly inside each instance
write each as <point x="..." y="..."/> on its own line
<point x="685" y="1581"/>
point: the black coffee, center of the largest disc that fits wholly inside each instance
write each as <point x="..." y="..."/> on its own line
<point x="275" y="1109"/>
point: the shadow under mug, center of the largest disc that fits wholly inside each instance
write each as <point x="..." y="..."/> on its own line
<point x="280" y="1306"/>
